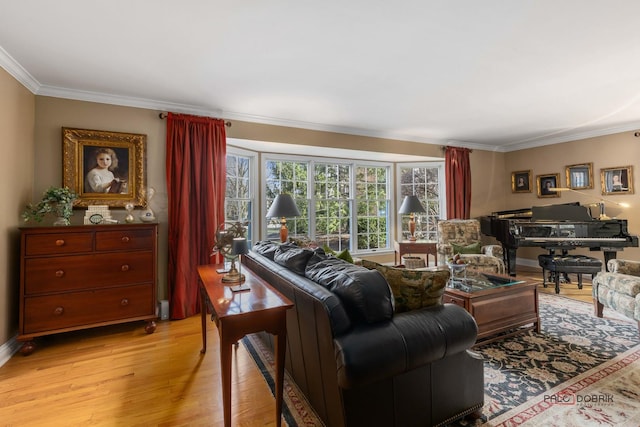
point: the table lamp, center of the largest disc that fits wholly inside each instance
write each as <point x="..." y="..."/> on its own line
<point x="239" y="247"/>
<point x="410" y="206"/>
<point x="283" y="207"/>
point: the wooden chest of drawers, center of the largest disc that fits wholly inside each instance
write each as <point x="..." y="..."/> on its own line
<point x="79" y="277"/>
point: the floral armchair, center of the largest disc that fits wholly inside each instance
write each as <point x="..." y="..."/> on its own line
<point x="618" y="289"/>
<point x="463" y="236"/>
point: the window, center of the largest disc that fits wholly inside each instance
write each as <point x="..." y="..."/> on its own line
<point x="288" y="177"/>
<point x="239" y="197"/>
<point x="427" y="182"/>
<point x="332" y="197"/>
<point x="372" y="207"/>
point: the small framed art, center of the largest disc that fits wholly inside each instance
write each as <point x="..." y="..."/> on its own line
<point x="580" y="176"/>
<point x="545" y="183"/>
<point x="521" y="181"/>
<point x="618" y="180"/>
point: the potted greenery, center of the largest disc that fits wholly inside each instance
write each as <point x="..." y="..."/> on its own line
<point x="56" y="200"/>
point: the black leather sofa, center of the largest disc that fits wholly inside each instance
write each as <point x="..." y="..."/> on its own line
<point x="358" y="362"/>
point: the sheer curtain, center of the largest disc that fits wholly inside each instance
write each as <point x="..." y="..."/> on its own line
<point x="458" y="181"/>
<point x="196" y="172"/>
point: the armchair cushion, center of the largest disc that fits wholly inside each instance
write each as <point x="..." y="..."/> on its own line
<point x="473" y="248"/>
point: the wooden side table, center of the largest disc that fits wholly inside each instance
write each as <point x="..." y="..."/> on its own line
<point x="427" y="247"/>
<point x="261" y="308"/>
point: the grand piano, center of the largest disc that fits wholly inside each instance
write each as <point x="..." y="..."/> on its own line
<point x="556" y="227"/>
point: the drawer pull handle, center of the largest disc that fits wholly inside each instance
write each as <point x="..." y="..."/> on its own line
<point x="124" y="302"/>
<point x="60" y="273"/>
<point x="60" y="242"/>
<point x="58" y="311"/>
<point x="125" y="267"/>
<point x="125" y="239"/>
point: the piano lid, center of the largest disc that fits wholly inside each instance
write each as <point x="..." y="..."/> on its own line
<point x="568" y="212"/>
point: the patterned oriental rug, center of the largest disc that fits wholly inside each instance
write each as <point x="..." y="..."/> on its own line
<point x="578" y="371"/>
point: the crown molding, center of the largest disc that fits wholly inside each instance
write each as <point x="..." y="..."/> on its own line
<point x="28" y="81"/>
<point x="18" y="72"/>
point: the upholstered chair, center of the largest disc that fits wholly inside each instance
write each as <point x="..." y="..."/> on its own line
<point x="618" y="289"/>
<point x="463" y="236"/>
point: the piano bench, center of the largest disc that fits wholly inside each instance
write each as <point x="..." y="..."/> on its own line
<point x="578" y="264"/>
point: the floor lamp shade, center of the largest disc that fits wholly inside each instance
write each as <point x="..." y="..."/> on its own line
<point x="283" y="207"/>
<point x="410" y="206"/>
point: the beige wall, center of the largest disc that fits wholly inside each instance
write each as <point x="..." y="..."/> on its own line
<point x="17" y="107"/>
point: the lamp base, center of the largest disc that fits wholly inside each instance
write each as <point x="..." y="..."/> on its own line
<point x="232" y="277"/>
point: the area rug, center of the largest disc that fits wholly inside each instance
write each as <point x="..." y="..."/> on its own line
<point x="296" y="409"/>
<point x="579" y="370"/>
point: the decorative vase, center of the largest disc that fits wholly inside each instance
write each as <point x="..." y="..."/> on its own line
<point x="61" y="216"/>
<point x="147" y="214"/>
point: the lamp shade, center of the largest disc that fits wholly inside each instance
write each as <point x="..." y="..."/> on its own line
<point x="411" y="204"/>
<point x="283" y="206"/>
<point x="239" y="246"/>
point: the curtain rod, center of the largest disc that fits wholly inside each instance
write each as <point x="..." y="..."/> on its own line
<point x="164" y="116"/>
<point x="444" y="148"/>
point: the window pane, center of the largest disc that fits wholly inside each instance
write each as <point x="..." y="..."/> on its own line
<point x="424" y="183"/>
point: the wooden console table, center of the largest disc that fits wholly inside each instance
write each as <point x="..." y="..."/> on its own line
<point x="261" y="308"/>
<point x="427" y="247"/>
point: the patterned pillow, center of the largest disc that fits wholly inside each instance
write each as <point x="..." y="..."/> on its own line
<point x="412" y="289"/>
<point x="474" y="248"/>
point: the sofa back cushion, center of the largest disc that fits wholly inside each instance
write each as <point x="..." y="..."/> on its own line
<point x="412" y="289"/>
<point x="365" y="294"/>
<point x="293" y="257"/>
<point x="266" y="248"/>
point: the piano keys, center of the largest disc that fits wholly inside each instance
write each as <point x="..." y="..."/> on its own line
<point x="556" y="227"/>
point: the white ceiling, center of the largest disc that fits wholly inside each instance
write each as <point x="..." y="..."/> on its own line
<point x="492" y="74"/>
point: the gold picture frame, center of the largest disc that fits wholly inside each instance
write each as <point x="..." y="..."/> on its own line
<point x="544" y="182"/>
<point x="618" y="180"/>
<point x="521" y="181"/>
<point x="122" y="182"/>
<point x="580" y="176"/>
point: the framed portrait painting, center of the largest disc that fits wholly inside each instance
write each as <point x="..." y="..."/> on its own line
<point x="104" y="168"/>
<point x="580" y="176"/>
<point x="618" y="180"/>
<point x="546" y="182"/>
<point x="521" y="181"/>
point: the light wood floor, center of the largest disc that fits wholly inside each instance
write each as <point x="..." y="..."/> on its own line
<point x="119" y="375"/>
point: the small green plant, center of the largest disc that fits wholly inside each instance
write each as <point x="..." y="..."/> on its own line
<point x="56" y="200"/>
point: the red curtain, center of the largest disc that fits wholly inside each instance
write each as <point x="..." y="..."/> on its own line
<point x="457" y="171"/>
<point x="196" y="174"/>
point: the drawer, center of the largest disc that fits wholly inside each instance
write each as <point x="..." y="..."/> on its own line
<point x="122" y="240"/>
<point x="76" y="272"/>
<point x="51" y="312"/>
<point x="451" y="299"/>
<point x="58" y="243"/>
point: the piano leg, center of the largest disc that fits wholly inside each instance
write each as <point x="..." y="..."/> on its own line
<point x="510" y="261"/>
<point x="608" y="254"/>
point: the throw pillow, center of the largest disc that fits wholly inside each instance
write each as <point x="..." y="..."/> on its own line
<point x="412" y="289"/>
<point x="474" y="248"/>
<point x="345" y="255"/>
<point x="295" y="259"/>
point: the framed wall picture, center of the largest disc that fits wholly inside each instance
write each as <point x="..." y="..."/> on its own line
<point x="618" y="180"/>
<point x="580" y="176"/>
<point x="546" y="182"/>
<point x="104" y="168"/>
<point x="521" y="182"/>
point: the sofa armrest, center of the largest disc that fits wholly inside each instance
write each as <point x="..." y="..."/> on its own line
<point x="624" y="266"/>
<point x="492" y="250"/>
<point x="371" y="353"/>
<point x="620" y="283"/>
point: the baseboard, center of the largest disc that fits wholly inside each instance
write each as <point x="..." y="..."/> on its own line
<point x="527" y="262"/>
<point x="8" y="349"/>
